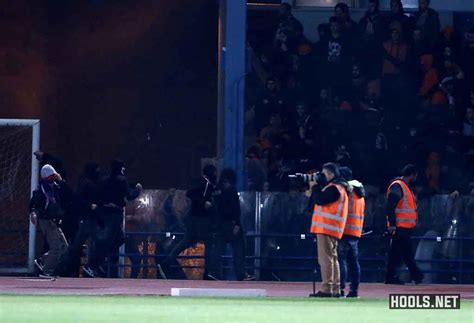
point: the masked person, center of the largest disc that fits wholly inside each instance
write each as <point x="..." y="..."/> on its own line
<point x="47" y="212"/>
<point x="86" y="208"/>
<point x="113" y="194"/>
<point x="401" y="220"/>
<point x="230" y="229"/>
<point x="329" y="218"/>
<point x="199" y="224"/>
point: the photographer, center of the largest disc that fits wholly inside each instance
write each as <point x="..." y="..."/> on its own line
<point x="47" y="211"/>
<point x="329" y="218"/>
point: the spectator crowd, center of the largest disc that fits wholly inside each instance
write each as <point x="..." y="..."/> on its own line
<point x="389" y="90"/>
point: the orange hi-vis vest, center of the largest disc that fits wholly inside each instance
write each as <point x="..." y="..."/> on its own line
<point x="330" y="219"/>
<point x="355" y="218"/>
<point x="405" y="211"/>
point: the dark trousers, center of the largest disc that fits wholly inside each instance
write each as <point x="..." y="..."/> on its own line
<point x="226" y="235"/>
<point x="70" y="261"/>
<point x="348" y="257"/>
<point x="401" y="250"/>
<point x="197" y="229"/>
<point x="109" y="238"/>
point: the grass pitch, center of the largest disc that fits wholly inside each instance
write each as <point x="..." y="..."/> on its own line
<point x="58" y="308"/>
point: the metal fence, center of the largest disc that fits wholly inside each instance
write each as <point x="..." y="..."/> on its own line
<point x="278" y="243"/>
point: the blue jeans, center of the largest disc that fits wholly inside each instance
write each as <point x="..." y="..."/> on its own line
<point x="348" y="256"/>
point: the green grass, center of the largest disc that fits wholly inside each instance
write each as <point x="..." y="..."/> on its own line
<point x="17" y="308"/>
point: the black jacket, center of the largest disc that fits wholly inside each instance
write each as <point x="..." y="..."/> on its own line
<point x="53" y="211"/>
<point x="115" y="190"/>
<point x="228" y="203"/>
<point x="86" y="195"/>
<point x="199" y="195"/>
<point x="329" y="195"/>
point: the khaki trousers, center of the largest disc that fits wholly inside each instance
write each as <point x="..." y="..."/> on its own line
<point x="327" y="259"/>
<point x="57" y="245"/>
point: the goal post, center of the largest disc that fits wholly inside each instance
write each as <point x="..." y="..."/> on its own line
<point x="19" y="174"/>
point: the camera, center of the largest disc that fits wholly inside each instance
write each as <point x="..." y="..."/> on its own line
<point x="315" y="177"/>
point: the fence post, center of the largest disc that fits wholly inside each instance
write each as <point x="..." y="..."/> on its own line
<point x="258" y="232"/>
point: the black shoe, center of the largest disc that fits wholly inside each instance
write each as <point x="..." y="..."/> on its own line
<point x="343" y="294"/>
<point x="419" y="278"/>
<point x="321" y="294"/>
<point x="161" y="271"/>
<point x="394" y="281"/>
<point x="352" y="294"/>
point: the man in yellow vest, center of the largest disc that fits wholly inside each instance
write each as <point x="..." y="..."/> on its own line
<point x="329" y="219"/>
<point x="401" y="220"/>
<point x="348" y="249"/>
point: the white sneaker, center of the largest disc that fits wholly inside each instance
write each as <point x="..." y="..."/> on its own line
<point x="47" y="276"/>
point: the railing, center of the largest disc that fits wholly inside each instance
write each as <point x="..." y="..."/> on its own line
<point x="279" y="247"/>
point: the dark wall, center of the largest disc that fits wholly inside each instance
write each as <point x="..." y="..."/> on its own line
<point x="102" y="74"/>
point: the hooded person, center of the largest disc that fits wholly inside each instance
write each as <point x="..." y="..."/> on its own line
<point x="47" y="212"/>
<point x="230" y="230"/>
<point x="86" y="201"/>
<point x="200" y="225"/>
<point x="112" y="196"/>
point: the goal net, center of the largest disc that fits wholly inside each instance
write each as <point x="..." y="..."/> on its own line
<point x="18" y="177"/>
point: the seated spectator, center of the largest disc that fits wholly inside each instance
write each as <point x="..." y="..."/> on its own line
<point x="325" y="100"/>
<point x="271" y="100"/>
<point x="430" y="77"/>
<point x="256" y="174"/>
<point x="468" y="124"/>
<point x="371" y="27"/>
<point x="279" y="167"/>
<point x="451" y="69"/>
<point x="288" y="23"/>
<point x="395" y="53"/>
<point x="359" y="82"/>
<point x="339" y="57"/>
<point x="349" y="26"/>
<point x="448" y="44"/>
<point x="397" y="15"/>
<point x="433" y="172"/>
<point x="444" y="95"/>
<point x="467" y="54"/>
<point x="273" y="132"/>
<point x="420" y="46"/>
<point x="427" y="20"/>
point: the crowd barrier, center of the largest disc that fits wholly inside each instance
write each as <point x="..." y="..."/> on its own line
<point x="280" y="247"/>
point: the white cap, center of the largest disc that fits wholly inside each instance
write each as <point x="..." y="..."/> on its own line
<point x="47" y="170"/>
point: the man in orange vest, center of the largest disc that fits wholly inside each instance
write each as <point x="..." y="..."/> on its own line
<point x="329" y="219"/>
<point x="348" y="249"/>
<point x="401" y="220"/>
